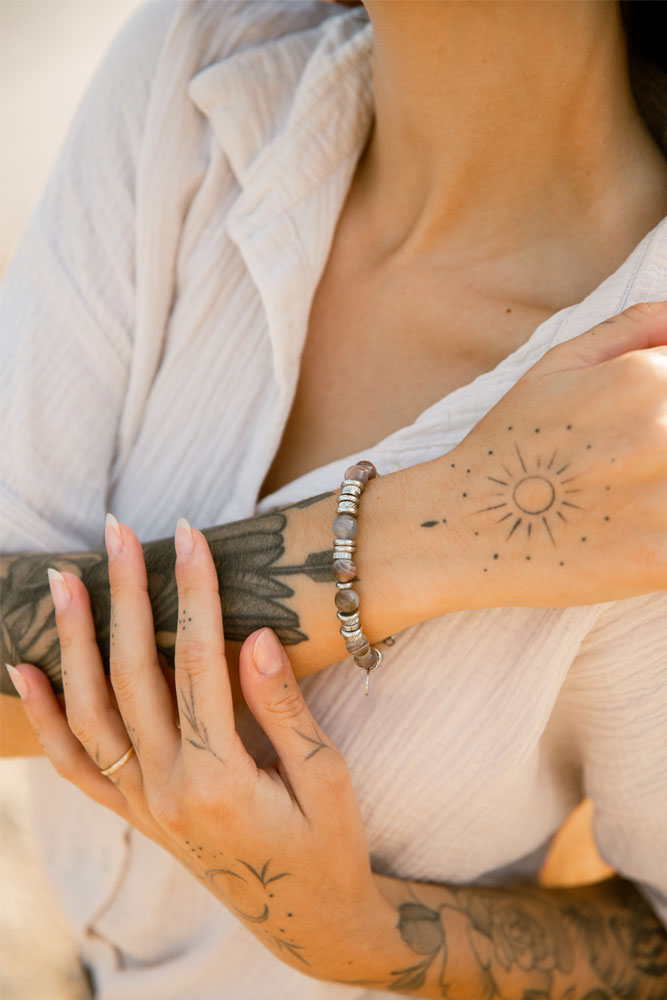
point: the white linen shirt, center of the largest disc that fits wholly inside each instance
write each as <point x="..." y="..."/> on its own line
<point x="154" y="320"/>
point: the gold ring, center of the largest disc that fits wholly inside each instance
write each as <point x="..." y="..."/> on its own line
<point x="112" y="768"/>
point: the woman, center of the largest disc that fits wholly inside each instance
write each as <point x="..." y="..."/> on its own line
<point x="550" y="212"/>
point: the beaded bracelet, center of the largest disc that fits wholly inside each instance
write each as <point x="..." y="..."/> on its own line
<point x="345" y="529"/>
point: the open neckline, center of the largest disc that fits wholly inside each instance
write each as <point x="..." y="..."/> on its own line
<point x="544" y="335"/>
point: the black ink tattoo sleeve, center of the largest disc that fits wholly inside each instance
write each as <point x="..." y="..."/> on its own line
<point x="598" y="942"/>
<point x="252" y="577"/>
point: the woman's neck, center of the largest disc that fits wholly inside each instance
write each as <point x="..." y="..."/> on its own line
<point x="499" y="124"/>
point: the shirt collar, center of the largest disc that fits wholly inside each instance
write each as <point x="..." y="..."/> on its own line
<point x="291" y="116"/>
<point x="309" y="90"/>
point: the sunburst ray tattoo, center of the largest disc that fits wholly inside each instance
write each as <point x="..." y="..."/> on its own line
<point x="533" y="496"/>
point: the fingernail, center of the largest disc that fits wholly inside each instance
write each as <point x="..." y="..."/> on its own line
<point x="268" y="653"/>
<point x="60" y="592"/>
<point x="112" y="536"/>
<point x="18" y="680"/>
<point x="183" y="539"/>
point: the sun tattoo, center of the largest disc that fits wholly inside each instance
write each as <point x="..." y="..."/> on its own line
<point x="532" y="496"/>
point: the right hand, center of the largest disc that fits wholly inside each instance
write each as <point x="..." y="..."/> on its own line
<point x="572" y="472"/>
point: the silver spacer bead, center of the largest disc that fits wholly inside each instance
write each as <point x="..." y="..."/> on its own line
<point x="343" y="547"/>
<point x="353" y="482"/>
<point x="350" y="622"/>
<point x="345" y="586"/>
<point x="350" y="489"/>
<point x="347" y="507"/>
<point x="349" y="636"/>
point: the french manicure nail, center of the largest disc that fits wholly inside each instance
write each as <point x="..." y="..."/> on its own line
<point x="112" y="536"/>
<point x="18" y="680"/>
<point x="183" y="540"/>
<point x="268" y="653"/>
<point x="60" y="592"/>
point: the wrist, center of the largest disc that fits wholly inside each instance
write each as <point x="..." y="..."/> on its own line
<point x="359" y="940"/>
<point x="412" y="550"/>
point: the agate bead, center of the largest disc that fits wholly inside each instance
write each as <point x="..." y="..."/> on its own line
<point x="358" y="647"/>
<point x="347" y="601"/>
<point x="369" y="660"/>
<point x="358" y="472"/>
<point x="344" y="570"/>
<point x="372" y="471"/>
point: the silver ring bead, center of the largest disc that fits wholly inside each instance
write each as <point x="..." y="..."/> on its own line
<point x="347" y="507"/>
<point x="351" y="489"/>
<point x="341" y="546"/>
<point x="354" y="643"/>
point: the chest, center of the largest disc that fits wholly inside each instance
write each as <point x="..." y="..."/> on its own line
<point x="381" y="347"/>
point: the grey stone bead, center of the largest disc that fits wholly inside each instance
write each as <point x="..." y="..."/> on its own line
<point x="347" y="601"/>
<point x="367" y="660"/>
<point x="345" y="526"/>
<point x="343" y="570"/>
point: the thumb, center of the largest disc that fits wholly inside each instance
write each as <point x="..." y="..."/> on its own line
<point x="637" y="328"/>
<point x="306" y="754"/>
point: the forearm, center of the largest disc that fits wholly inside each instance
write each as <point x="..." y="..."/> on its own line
<point x="595" y="942"/>
<point x="273" y="570"/>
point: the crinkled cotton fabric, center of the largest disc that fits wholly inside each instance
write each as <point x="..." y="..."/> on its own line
<point x="154" y="319"/>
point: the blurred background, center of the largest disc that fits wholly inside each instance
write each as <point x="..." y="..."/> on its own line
<point x="49" y="50"/>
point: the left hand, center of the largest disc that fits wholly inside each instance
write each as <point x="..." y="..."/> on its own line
<point x="283" y="846"/>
